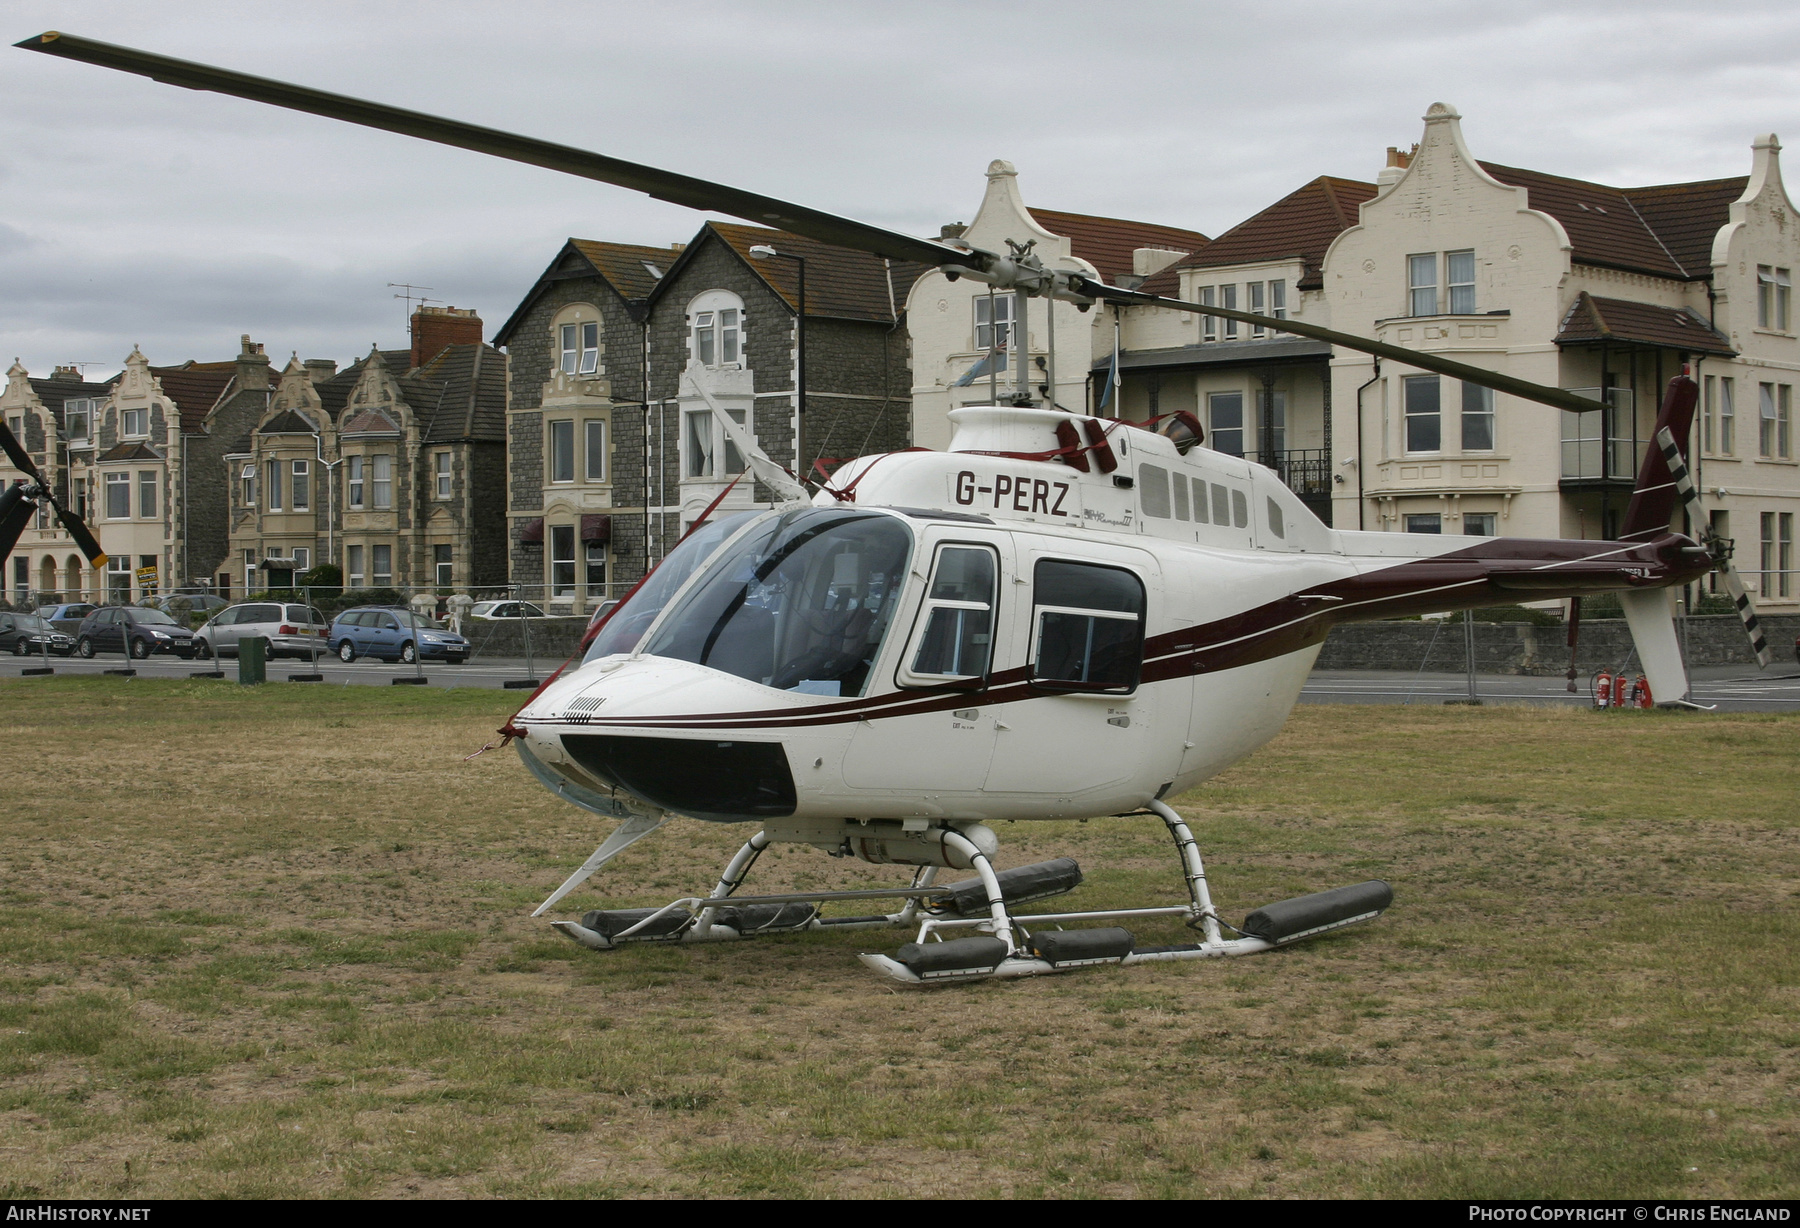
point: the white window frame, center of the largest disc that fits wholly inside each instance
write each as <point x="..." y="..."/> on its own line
<point x="1254" y="302"/>
<point x="355" y="475"/>
<point x="579" y="346"/>
<point x="716" y="329"/>
<point x="443" y="570"/>
<point x="78" y="407"/>
<point x="377" y="577"/>
<point x="1209" y="325"/>
<point x="1488" y="524"/>
<point x="134" y="423"/>
<point x="593" y="553"/>
<point x="247" y="484"/>
<point x="559" y="450"/>
<point x="354" y="557"/>
<point x="1774" y="295"/>
<point x="440" y="472"/>
<point x="1417" y="522"/>
<point x="146" y="486"/>
<point x="1228" y="300"/>
<point x="910" y="675"/>
<point x="272" y="486"/>
<point x="300" y="480"/>
<point x="562" y="587"/>
<point x="1421" y="296"/>
<point x="1407" y="384"/>
<point x="381" y="482"/>
<point x="1278" y="299"/>
<point x="1727" y="415"/>
<point x="1459" y="293"/>
<point x="704" y="446"/>
<point x="1477" y="406"/>
<point x="117" y="482"/>
<point x="994" y="333"/>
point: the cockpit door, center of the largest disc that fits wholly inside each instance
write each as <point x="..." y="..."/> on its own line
<point x="944" y="739"/>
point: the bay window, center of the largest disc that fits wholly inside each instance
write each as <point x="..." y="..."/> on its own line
<point x="272" y="487"/>
<point x="302" y="488"/>
<point x="147" y="493"/>
<point x="1477" y="418"/>
<point x="118" y="496"/>
<point x="353" y="480"/>
<point x="562" y="561"/>
<point x="706" y="441"/>
<point x="562" y="451"/>
<point x="381" y="481"/>
<point x="595" y="431"/>
<point x="353" y="566"/>
<point x="1424" y="419"/>
<point x="381" y="560"/>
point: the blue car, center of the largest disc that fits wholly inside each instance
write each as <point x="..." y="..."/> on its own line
<point x="394" y="634"/>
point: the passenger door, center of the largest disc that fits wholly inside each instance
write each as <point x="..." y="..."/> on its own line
<point x="1079" y="628"/>
<point x="946" y="658"/>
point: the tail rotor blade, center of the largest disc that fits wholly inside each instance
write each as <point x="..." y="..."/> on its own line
<point x="1740" y="597"/>
<point x="15" y="513"/>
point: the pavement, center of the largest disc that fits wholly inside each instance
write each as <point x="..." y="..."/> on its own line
<point x="1732" y="688"/>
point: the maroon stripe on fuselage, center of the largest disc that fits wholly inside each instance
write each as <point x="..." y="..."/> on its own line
<point x="1498" y="570"/>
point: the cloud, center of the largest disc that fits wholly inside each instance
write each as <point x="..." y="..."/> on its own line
<point x="139" y="212"/>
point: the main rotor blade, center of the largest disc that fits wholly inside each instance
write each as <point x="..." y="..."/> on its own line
<point x="15" y="452"/>
<point x="1479" y="376"/>
<point x="1740" y="596"/>
<point x="663" y="185"/>
<point x="84" y="540"/>
<point x="15" y="513"/>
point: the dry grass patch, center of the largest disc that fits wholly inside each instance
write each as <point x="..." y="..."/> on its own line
<point x="273" y="942"/>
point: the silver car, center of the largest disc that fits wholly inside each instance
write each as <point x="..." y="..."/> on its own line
<point x="292" y="630"/>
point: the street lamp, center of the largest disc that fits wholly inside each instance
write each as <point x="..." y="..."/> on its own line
<point x="762" y="251"/>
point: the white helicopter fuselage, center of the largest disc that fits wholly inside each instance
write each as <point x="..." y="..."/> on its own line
<point x="1239" y="585"/>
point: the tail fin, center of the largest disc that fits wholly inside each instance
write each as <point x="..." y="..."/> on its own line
<point x="1654" y="499"/>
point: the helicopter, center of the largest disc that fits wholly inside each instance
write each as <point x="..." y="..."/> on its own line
<point x="1057" y="617"/>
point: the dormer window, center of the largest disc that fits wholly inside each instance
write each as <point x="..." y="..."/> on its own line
<point x="580" y="348"/>
<point x="134" y="423"/>
<point x="77" y="414"/>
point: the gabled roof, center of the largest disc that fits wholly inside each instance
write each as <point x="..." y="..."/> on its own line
<point x="470" y="394"/>
<point x="1107" y="242"/>
<point x="625" y="267"/>
<point x="286" y="423"/>
<point x="371" y="422"/>
<point x="1665" y="231"/>
<point x="127" y="452"/>
<point x="1301" y="224"/>
<point x="841" y="282"/>
<point x="195" y="388"/>
<point x="1591" y="320"/>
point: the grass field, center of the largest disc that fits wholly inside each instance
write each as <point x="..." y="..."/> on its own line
<point x="274" y="942"/>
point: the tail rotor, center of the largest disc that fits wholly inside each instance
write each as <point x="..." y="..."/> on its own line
<point x="1719" y="548"/>
<point x="19" y="502"/>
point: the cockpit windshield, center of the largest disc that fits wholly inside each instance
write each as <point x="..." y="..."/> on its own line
<point x="799" y="604"/>
<point x="627" y="624"/>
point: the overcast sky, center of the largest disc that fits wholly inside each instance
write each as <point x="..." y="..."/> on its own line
<point x="132" y="212"/>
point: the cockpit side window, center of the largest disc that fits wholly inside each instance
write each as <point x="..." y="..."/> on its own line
<point x="955" y="638"/>
<point x="802" y="605"/>
<point x="1089" y="627"/>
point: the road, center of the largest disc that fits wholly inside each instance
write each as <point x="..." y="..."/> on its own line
<point x="1733" y="688"/>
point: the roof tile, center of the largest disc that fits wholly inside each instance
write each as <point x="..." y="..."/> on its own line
<point x="1107" y="242"/>
<point x="1301" y="224"/>
<point x="1591" y="319"/>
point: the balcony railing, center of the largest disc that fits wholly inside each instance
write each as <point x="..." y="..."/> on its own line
<point x="1305" y="471"/>
<point x="1603" y="442"/>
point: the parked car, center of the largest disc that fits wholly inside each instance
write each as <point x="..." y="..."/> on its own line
<point x="293" y="630"/>
<point x="67" y="618"/>
<point x="490" y="610"/>
<point x="26" y="634"/>
<point x="395" y="634"/>
<point x="199" y="603"/>
<point x="603" y="609"/>
<point x="132" y="629"/>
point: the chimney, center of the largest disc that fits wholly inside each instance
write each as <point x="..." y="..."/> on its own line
<point x="318" y="370"/>
<point x="252" y="365"/>
<point x="1401" y="160"/>
<point x="951" y="230"/>
<point x="434" y="328"/>
<point x="69" y="373"/>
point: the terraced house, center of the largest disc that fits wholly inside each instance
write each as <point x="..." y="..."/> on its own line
<point x="394" y="468"/>
<point x="1580" y="285"/>
<point x="624" y="359"/>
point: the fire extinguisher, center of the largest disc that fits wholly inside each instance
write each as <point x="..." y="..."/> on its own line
<point x="1603" y="690"/>
<point x="1641" y="692"/>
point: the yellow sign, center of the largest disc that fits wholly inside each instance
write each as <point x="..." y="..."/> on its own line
<point x="146" y="575"/>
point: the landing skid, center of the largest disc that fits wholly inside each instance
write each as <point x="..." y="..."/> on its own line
<point x="998" y="943"/>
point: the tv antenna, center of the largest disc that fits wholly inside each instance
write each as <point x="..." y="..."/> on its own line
<point x="410" y="296"/>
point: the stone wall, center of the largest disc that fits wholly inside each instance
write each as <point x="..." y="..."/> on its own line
<point x="1519" y="648"/>
<point x="552" y="639"/>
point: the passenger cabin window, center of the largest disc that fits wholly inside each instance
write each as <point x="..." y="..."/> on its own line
<point x="1089" y="622"/>
<point x="1153" y="491"/>
<point x="957" y="624"/>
